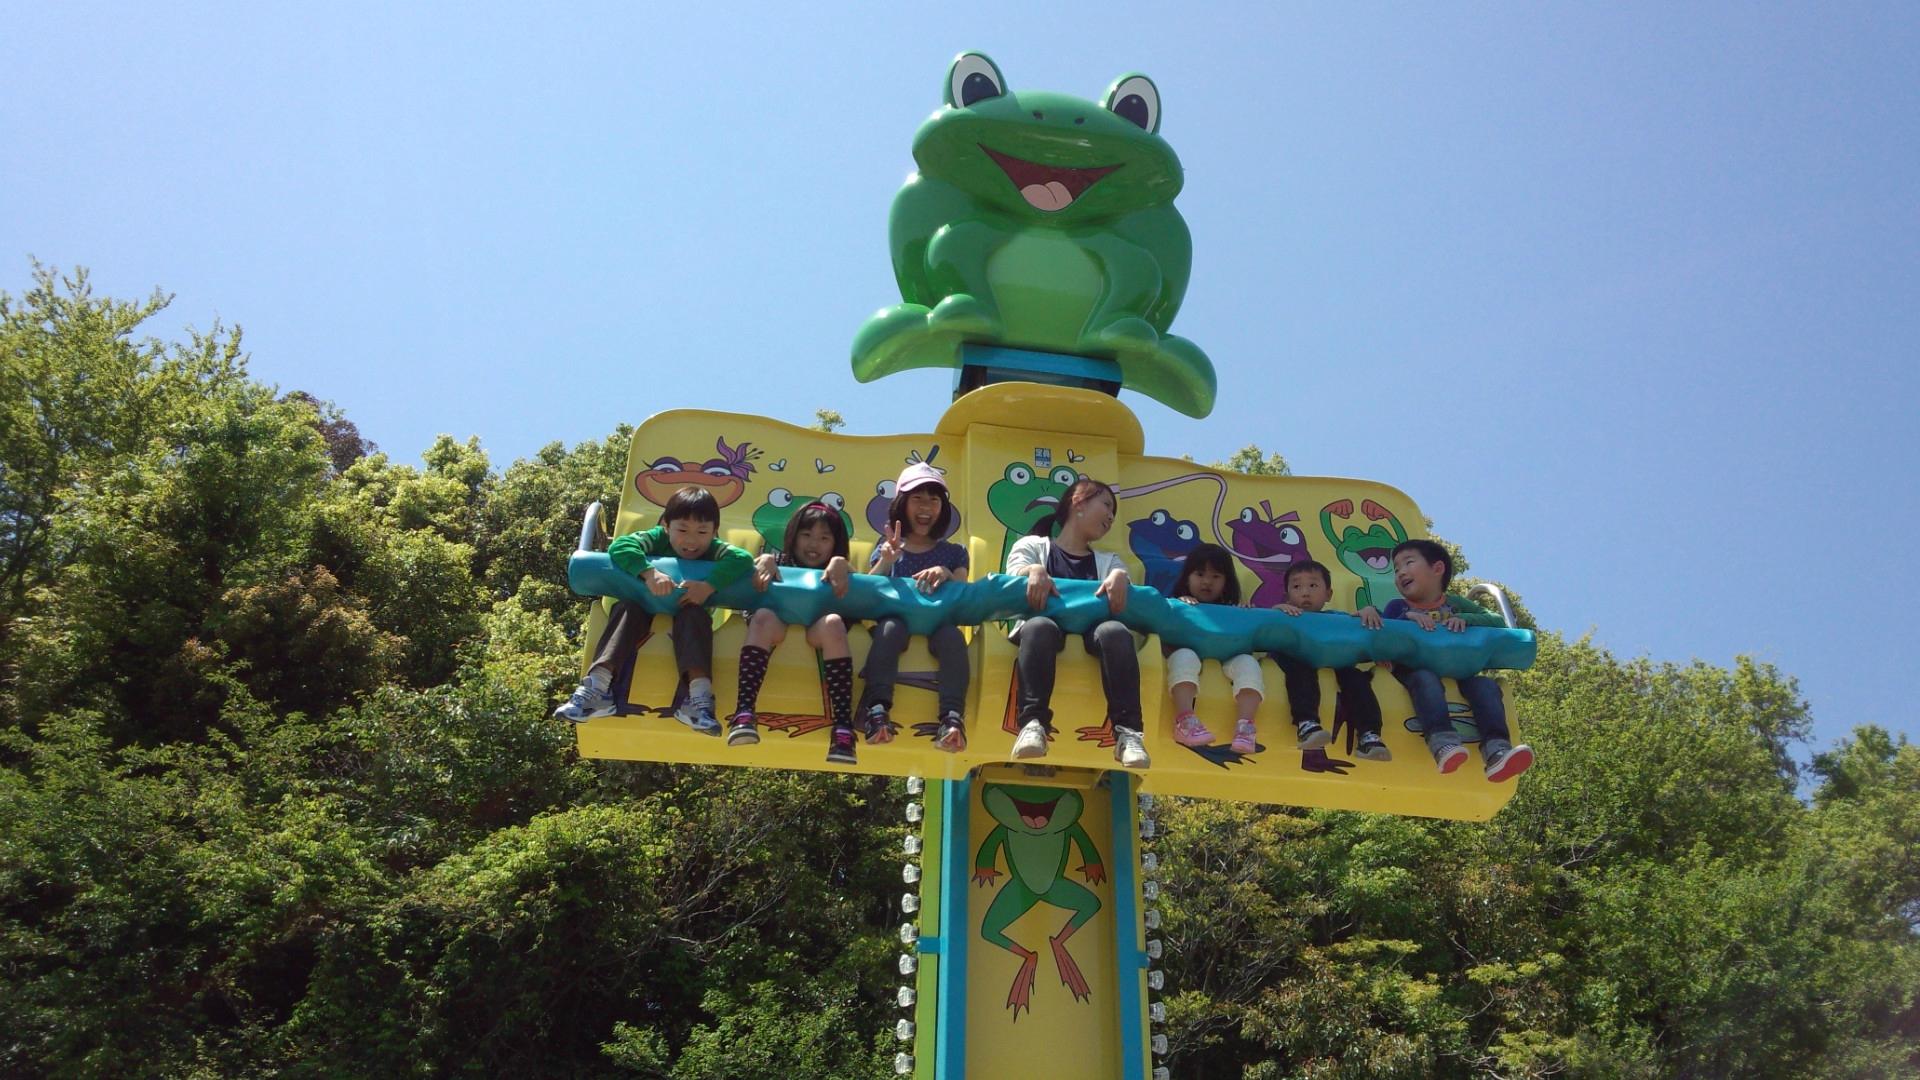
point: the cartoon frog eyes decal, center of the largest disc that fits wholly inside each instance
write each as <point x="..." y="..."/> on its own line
<point x="885" y="489"/>
<point x="780" y="497"/>
<point x="834" y="501"/>
<point x="1290" y="536"/>
<point x="1185" y="531"/>
<point x="972" y="79"/>
<point x="1161" y="517"/>
<point x="1019" y="474"/>
<point x="1246" y="515"/>
<point x="717" y="470"/>
<point x="667" y="464"/>
<point x="1065" y="476"/>
<point x="1135" y="98"/>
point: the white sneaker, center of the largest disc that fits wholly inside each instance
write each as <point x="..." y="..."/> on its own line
<point x="1032" y="742"/>
<point x="588" y="702"/>
<point x="1129" y="749"/>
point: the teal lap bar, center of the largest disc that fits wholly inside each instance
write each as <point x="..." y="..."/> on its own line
<point x="1216" y="632"/>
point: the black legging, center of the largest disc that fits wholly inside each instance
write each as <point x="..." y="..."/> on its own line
<point x="1040" y="640"/>
<point x="890" y="638"/>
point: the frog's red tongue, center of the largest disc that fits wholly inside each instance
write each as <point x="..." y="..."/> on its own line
<point x="1047" y="187"/>
<point x="1033" y="815"/>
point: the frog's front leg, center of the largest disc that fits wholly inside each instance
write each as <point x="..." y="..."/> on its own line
<point x="1069" y="896"/>
<point x="957" y="271"/>
<point x="1014" y="901"/>
<point x="1132" y="291"/>
<point x="1168" y="368"/>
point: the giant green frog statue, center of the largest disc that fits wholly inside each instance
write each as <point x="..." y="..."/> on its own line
<point x="1041" y="221"/>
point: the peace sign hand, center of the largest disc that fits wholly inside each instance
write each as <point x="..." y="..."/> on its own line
<point x="891" y="548"/>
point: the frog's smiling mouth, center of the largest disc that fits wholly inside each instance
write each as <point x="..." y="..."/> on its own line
<point x="1034" y="815"/>
<point x="1047" y="187"/>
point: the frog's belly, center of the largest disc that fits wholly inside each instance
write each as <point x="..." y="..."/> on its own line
<point x="1045" y="287"/>
<point x="1039" y="863"/>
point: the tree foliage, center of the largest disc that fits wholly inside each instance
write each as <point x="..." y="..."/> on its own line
<point x="279" y="796"/>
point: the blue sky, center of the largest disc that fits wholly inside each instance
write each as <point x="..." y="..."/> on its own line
<point x="1627" y="297"/>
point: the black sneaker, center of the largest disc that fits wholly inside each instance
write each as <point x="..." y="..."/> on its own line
<point x="741" y="730"/>
<point x="1312" y="735"/>
<point x="840" y="746"/>
<point x="952" y="734"/>
<point x="877" y="725"/>
<point x="1372" y="748"/>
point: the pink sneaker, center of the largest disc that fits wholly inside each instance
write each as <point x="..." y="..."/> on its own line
<point x="1189" y="731"/>
<point x="1244" y="738"/>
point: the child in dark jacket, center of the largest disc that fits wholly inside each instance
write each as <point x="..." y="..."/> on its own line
<point x="1309" y="586"/>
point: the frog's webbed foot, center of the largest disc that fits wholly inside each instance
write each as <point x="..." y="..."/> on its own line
<point x="908" y="336"/>
<point x="1170" y="370"/>
<point x="962" y="313"/>
<point x="1128" y="334"/>
<point x="1020" y="995"/>
<point x="1069" y="969"/>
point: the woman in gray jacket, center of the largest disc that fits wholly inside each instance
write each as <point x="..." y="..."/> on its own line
<point x="1062" y="547"/>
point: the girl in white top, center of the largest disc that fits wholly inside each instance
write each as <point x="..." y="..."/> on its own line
<point x="1062" y="547"/>
<point x="1207" y="576"/>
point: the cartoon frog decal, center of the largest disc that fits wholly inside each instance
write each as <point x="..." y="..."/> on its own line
<point x="726" y="475"/>
<point x="1041" y="221"/>
<point x="1160" y="541"/>
<point x="1037" y="827"/>
<point x="1368" y="554"/>
<point x="1268" y="545"/>
<point x="1021" y="497"/>
<point x="770" y="517"/>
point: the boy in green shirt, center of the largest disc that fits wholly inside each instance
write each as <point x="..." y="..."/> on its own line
<point x="687" y="530"/>
<point x="1422" y="570"/>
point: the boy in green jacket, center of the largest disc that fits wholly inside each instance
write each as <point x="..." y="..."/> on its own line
<point x="687" y="530"/>
<point x="1422" y="570"/>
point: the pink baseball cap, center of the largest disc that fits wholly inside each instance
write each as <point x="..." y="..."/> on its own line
<point x="918" y="475"/>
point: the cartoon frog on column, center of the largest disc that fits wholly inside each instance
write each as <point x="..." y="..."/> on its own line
<point x="1041" y="221"/>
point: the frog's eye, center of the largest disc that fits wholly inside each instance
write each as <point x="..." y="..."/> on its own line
<point x="1159" y="517"/>
<point x="833" y="500"/>
<point x="717" y="470"/>
<point x="886" y="489"/>
<point x="1246" y="515"/>
<point x="666" y="464"/>
<point x="1135" y="98"/>
<point x="972" y="79"/>
<point x="780" y="498"/>
<point x="1065" y="476"/>
<point x="1185" y="531"/>
<point x="1290" y="536"/>
<point x="1019" y="474"/>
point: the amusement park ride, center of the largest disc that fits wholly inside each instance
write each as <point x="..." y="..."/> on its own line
<point x="1039" y="254"/>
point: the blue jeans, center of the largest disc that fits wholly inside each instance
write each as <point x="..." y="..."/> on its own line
<point x="1430" y="705"/>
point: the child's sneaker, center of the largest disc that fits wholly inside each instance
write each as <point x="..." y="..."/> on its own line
<point x="1507" y="764"/>
<point x="877" y="725"/>
<point x="588" y="702"/>
<point x="840" y="746"/>
<point x="1032" y="742"/>
<point x="1449" y="757"/>
<point x="1312" y="735"/>
<point x="741" y="730"/>
<point x="1129" y="748"/>
<point x="1372" y="748"/>
<point x="1189" y="731"/>
<point x="1245" y="737"/>
<point x="952" y="736"/>
<point x="697" y="713"/>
